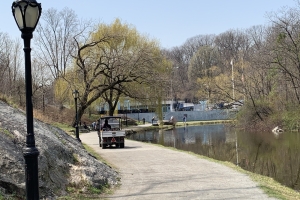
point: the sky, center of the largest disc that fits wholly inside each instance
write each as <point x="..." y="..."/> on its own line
<point x="171" y="22"/>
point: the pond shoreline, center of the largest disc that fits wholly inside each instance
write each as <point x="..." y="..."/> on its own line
<point x="149" y="126"/>
<point x="171" y="136"/>
<point x="151" y="171"/>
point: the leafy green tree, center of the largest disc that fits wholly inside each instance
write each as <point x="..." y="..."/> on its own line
<point x="106" y="64"/>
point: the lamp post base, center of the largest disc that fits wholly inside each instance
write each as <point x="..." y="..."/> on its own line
<point x="31" y="172"/>
<point x="77" y="133"/>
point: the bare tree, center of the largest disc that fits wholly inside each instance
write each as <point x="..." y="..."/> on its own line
<point x="10" y="68"/>
<point x="284" y="49"/>
<point x="54" y="39"/>
<point x="42" y="85"/>
<point x="6" y="46"/>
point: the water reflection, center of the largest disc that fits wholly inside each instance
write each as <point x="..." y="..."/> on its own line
<point x="180" y="136"/>
<point x="263" y="153"/>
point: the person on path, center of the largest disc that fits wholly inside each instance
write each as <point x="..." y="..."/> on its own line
<point x="106" y="126"/>
<point x="85" y="126"/>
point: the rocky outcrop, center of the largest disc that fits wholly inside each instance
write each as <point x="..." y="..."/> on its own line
<point x="63" y="162"/>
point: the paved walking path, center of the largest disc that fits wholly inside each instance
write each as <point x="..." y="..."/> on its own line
<point x="151" y="172"/>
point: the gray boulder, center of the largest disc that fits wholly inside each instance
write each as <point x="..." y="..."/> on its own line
<point x="63" y="161"/>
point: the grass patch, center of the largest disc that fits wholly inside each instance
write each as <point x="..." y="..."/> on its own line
<point x="192" y="123"/>
<point x="75" y="158"/>
<point x="89" y="192"/>
<point x="104" y="189"/>
<point x="84" y="191"/>
<point x="6" y="132"/>
<point x="269" y="185"/>
<point x="65" y="127"/>
<point x="91" y="151"/>
<point x="9" y="197"/>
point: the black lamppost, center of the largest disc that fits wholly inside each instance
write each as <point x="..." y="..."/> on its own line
<point x="76" y="95"/>
<point x="126" y="111"/>
<point x="27" y="14"/>
<point x="126" y="117"/>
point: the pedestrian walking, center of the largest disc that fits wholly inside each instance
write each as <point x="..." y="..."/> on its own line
<point x="85" y="126"/>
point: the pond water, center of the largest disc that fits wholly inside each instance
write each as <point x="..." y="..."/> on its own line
<point x="263" y="153"/>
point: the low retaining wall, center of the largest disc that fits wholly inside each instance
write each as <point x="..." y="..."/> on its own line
<point x="208" y="115"/>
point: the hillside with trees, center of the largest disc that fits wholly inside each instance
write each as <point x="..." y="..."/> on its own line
<point x="258" y="66"/>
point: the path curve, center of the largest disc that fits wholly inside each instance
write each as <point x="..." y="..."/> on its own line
<point x="152" y="172"/>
